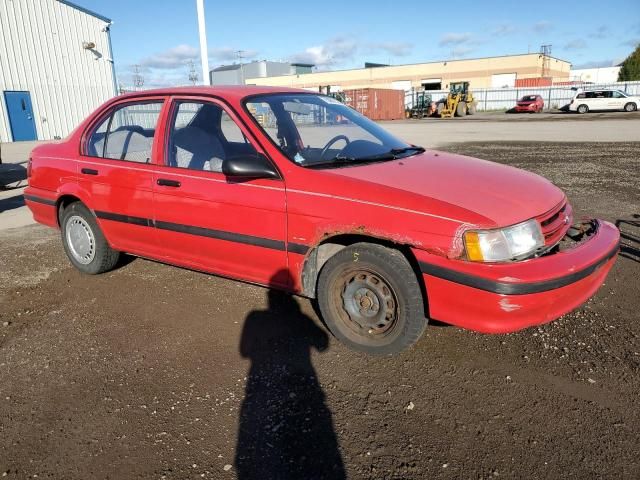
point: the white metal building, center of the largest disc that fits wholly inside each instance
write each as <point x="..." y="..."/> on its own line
<point x="56" y="66"/>
<point x="595" y="75"/>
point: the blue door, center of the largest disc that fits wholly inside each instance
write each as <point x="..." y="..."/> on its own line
<point x="23" y="127"/>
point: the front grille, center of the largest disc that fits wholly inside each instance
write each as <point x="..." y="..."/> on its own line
<point x="555" y="223"/>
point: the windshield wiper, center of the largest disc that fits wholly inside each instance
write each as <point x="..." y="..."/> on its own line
<point x="414" y="148"/>
<point x="341" y="160"/>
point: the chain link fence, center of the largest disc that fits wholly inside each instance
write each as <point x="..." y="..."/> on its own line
<point x="505" y="98"/>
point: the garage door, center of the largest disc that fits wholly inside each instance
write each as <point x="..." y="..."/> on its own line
<point x="503" y="80"/>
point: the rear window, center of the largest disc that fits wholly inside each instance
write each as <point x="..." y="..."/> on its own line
<point x="529" y="98"/>
<point x="127" y="133"/>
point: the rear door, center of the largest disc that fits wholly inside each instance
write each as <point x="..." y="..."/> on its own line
<point x="116" y="170"/>
<point x="598" y="100"/>
<point x="205" y="220"/>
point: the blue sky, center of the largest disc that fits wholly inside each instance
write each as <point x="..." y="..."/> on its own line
<point x="162" y="35"/>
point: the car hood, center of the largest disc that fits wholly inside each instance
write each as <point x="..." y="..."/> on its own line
<point x="501" y="195"/>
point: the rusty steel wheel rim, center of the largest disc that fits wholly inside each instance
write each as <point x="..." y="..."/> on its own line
<point x="366" y="302"/>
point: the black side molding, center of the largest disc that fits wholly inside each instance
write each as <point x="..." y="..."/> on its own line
<point x="44" y="201"/>
<point x="297" y="248"/>
<point x="506" y="288"/>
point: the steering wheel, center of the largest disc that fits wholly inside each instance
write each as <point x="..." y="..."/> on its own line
<point x="331" y="142"/>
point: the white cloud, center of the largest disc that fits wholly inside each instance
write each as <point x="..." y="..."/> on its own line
<point x="575" y="44"/>
<point x="335" y="51"/>
<point x="230" y="53"/>
<point x="601" y="32"/>
<point x="171" y="66"/>
<point x="595" y="64"/>
<point x="453" y="38"/>
<point x="461" y="51"/>
<point x="171" y="58"/>
<point x="397" y="49"/>
<point x="632" y="42"/>
<point x="503" y="29"/>
<point x="542" y="26"/>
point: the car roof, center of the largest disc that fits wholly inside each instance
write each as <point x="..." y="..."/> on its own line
<point x="224" y="91"/>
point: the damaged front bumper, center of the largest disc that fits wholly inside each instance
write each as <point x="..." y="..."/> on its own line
<point x="506" y="297"/>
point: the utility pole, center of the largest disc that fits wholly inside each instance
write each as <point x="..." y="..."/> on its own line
<point x="138" y="79"/>
<point x="239" y="54"/>
<point x="193" y="75"/>
<point x="204" y="52"/>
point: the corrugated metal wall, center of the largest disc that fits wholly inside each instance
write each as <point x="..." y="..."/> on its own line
<point x="41" y="51"/>
<point x="505" y="98"/>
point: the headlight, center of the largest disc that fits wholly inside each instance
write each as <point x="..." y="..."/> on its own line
<point x="511" y="243"/>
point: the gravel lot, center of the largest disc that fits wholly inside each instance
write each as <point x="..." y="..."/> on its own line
<point x="151" y="371"/>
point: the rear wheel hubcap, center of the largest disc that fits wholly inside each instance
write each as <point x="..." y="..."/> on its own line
<point x="80" y="239"/>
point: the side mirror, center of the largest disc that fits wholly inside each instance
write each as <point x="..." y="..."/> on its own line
<point x="249" y="166"/>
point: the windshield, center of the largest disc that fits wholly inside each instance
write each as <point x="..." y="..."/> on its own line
<point x="317" y="131"/>
<point x="528" y="98"/>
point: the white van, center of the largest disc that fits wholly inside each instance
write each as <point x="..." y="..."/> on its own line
<point x="595" y="100"/>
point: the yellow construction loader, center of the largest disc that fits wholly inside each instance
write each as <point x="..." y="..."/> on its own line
<point x="459" y="102"/>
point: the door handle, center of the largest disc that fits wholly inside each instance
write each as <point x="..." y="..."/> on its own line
<point x="168" y="183"/>
<point x="89" y="171"/>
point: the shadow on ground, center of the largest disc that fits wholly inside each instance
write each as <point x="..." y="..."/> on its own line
<point x="286" y="429"/>
<point x="12" y="175"/>
<point x="11" y="203"/>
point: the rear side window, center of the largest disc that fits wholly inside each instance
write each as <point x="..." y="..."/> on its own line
<point x="127" y="133"/>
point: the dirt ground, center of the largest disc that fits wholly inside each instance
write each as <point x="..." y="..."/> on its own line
<point x="151" y="371"/>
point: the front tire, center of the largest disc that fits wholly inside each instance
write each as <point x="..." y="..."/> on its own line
<point x="583" y="108"/>
<point x="84" y="242"/>
<point x="370" y="299"/>
<point x="630" y="107"/>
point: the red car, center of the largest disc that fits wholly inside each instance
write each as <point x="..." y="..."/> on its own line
<point x="264" y="185"/>
<point x="530" y="103"/>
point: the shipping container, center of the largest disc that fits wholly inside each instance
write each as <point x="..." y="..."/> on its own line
<point x="377" y="103"/>
<point x="533" y="82"/>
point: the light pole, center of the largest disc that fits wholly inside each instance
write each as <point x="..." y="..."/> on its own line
<point x="204" y="53"/>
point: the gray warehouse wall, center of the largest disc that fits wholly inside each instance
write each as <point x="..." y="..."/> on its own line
<point x="41" y="51"/>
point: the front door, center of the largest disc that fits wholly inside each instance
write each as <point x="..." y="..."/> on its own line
<point x="207" y="221"/>
<point x="20" y="112"/>
<point x="617" y="100"/>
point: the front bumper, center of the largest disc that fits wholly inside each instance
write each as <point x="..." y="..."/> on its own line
<point x="526" y="108"/>
<point x="502" y="298"/>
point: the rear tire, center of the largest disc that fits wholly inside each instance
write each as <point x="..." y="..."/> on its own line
<point x="84" y="242"/>
<point x="472" y="109"/>
<point x="630" y="107"/>
<point x="461" y="109"/>
<point x="370" y="299"/>
<point x="583" y="108"/>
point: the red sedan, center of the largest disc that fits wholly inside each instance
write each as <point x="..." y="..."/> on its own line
<point x="530" y="103"/>
<point x="266" y="186"/>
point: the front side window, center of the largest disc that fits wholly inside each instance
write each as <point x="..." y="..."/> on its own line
<point x="319" y="131"/>
<point x="617" y="94"/>
<point x="202" y="136"/>
<point x="126" y="133"/>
